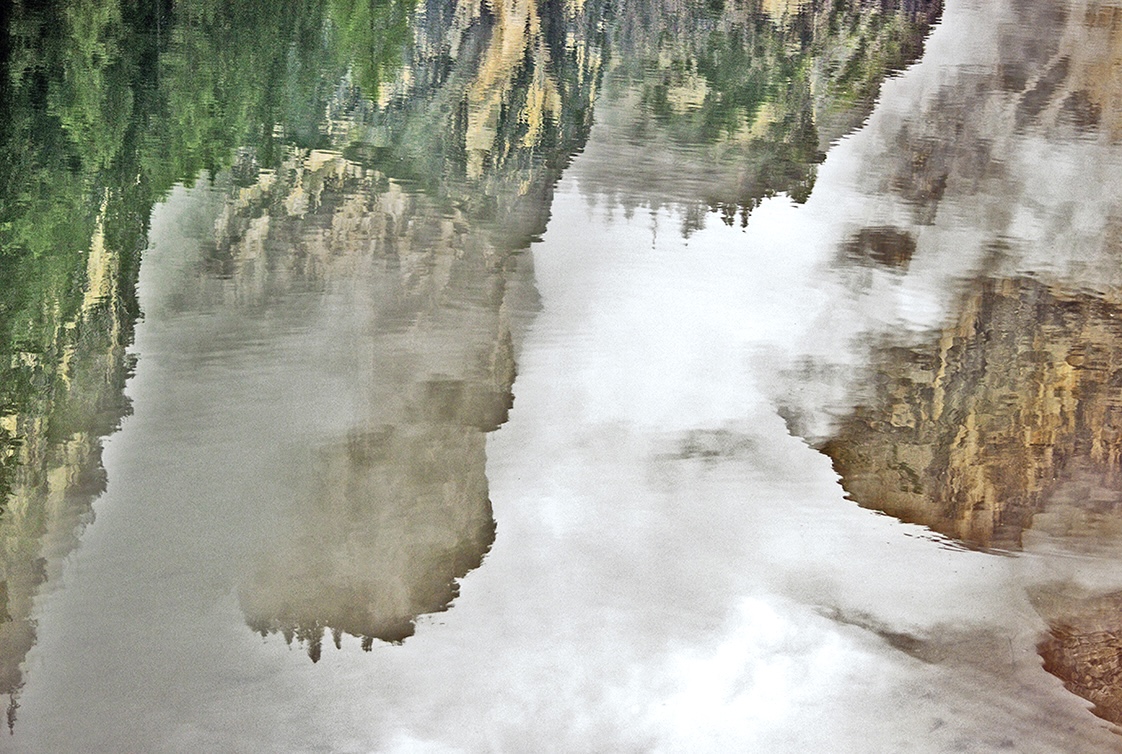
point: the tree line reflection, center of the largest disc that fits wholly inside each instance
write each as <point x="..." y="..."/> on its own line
<point x="423" y="139"/>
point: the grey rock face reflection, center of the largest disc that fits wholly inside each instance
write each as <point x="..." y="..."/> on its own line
<point x="401" y="508"/>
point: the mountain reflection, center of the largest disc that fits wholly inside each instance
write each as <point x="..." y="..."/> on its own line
<point x="73" y="217"/>
<point x="974" y="431"/>
<point x="419" y="143"/>
<point x="64" y="391"/>
<point x="401" y="507"/>
<point x="371" y="175"/>
<point x="999" y="425"/>
<point x="106" y="105"/>
<point x="437" y="186"/>
<point x="439" y="183"/>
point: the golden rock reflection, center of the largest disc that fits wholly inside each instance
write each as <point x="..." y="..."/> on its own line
<point x="1008" y="419"/>
<point x="973" y="432"/>
<point x="1013" y="408"/>
<point x="1002" y="427"/>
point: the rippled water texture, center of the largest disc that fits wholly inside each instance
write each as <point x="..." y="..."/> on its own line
<point x="653" y="375"/>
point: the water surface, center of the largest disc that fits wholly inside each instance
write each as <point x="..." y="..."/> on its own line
<point x="528" y="376"/>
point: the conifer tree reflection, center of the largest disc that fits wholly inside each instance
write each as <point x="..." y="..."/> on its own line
<point x="720" y="105"/>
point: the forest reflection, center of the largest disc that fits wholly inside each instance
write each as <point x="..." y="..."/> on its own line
<point x="405" y="153"/>
<point x="420" y="142"/>
<point x="713" y="107"/>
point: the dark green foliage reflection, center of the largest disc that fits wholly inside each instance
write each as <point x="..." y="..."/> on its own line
<point x="475" y="106"/>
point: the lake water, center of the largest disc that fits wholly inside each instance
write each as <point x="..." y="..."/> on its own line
<point x="525" y="376"/>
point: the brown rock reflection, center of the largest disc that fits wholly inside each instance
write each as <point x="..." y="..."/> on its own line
<point x="887" y="246"/>
<point x="973" y="432"/>
<point x="1084" y="648"/>
<point x="1006" y="420"/>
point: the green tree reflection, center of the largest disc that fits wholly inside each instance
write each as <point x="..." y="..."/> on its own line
<point x="765" y="86"/>
<point x="108" y="104"/>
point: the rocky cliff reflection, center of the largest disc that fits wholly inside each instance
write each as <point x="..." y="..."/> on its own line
<point x="454" y="118"/>
<point x="1009" y="420"/>
<point x="52" y="435"/>
<point x="486" y="110"/>
<point x="974" y="431"/>
<point x="402" y="512"/>
<point x="987" y="406"/>
<point x="401" y="507"/>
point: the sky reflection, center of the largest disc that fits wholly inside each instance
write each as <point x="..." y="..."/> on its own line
<point x="655" y="553"/>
